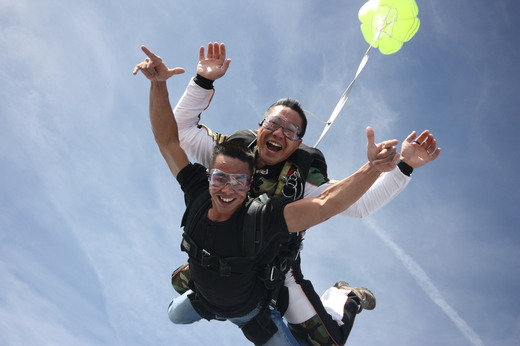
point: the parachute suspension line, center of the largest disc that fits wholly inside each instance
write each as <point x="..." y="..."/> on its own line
<point x="315" y="116"/>
<point x="343" y="99"/>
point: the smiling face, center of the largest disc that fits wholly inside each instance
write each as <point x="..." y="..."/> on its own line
<point x="273" y="146"/>
<point x="226" y="200"/>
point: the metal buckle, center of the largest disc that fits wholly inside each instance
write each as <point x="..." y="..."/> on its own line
<point x="204" y="255"/>
<point x="271" y="276"/>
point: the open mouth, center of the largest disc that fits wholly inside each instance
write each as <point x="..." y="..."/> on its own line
<point x="226" y="200"/>
<point x="273" y="146"/>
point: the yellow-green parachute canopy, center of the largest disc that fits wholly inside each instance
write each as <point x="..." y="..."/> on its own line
<point x="387" y="24"/>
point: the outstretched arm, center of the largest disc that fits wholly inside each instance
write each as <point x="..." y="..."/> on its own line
<point x="415" y="152"/>
<point x="162" y="119"/>
<point x="165" y="131"/>
<point x="311" y="211"/>
<point x="198" y="140"/>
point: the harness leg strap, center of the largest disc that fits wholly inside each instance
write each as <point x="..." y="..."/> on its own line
<point x="261" y="328"/>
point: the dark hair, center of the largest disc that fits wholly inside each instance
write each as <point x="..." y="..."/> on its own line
<point x="295" y="106"/>
<point x="236" y="150"/>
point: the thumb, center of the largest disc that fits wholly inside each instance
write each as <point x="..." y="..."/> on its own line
<point x="226" y="64"/>
<point x="174" y="71"/>
<point x="370" y="136"/>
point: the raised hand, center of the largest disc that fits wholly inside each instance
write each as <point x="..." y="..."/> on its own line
<point x="214" y="65"/>
<point x="154" y="68"/>
<point x="417" y="152"/>
<point x="383" y="156"/>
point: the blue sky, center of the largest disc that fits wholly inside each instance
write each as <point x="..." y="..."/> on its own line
<point x="89" y="221"/>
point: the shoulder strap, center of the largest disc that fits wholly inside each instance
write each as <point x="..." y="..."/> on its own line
<point x="253" y="225"/>
<point x="195" y="210"/>
<point x="248" y="137"/>
<point x="306" y="157"/>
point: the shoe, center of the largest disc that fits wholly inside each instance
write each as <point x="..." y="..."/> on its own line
<point x="367" y="300"/>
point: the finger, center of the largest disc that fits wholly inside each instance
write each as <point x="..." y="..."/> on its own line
<point x="222" y="51"/>
<point x="384" y="147"/>
<point x="201" y="53"/>
<point x="388" y="157"/>
<point x="428" y="140"/>
<point x="411" y="137"/>
<point x="389" y="143"/>
<point x="149" y="53"/>
<point x="430" y="149"/>
<point x="370" y="136"/>
<point x="392" y="159"/>
<point x="422" y="136"/>
<point x="139" y="67"/>
<point x="435" y="154"/>
<point x="148" y="67"/>
<point x="146" y="73"/>
<point x="386" y="152"/>
<point x="382" y="153"/>
<point x="432" y="145"/>
<point x="216" y="50"/>
<point x="210" y="51"/>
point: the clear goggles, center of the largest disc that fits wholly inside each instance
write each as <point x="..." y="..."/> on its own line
<point x="273" y="122"/>
<point x="238" y="182"/>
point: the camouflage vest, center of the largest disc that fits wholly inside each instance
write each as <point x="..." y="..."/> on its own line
<point x="287" y="179"/>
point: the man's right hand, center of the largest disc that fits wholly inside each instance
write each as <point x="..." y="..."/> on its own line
<point x="383" y="156"/>
<point x="214" y="65"/>
<point x="154" y="68"/>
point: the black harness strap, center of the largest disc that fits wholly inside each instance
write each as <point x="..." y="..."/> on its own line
<point x="225" y="266"/>
<point x="261" y="328"/>
<point x="200" y="205"/>
<point x="253" y="226"/>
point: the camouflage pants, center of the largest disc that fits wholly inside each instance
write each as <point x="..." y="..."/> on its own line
<point x="314" y="331"/>
<point x="181" y="279"/>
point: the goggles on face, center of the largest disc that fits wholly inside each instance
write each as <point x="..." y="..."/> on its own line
<point x="273" y="122"/>
<point x="238" y="182"/>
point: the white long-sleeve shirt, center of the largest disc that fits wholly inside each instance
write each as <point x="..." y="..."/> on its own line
<point x="199" y="141"/>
